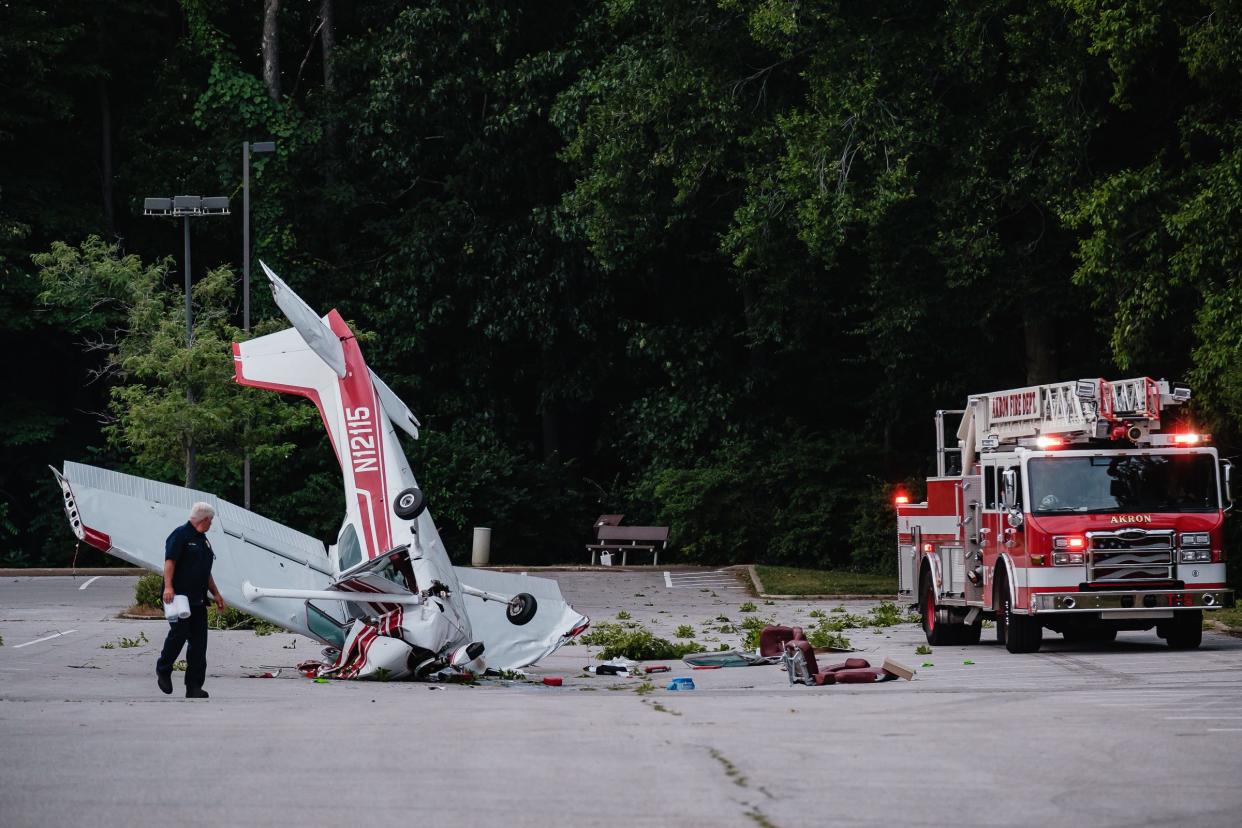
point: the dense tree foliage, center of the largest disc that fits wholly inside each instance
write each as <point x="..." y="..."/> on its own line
<point x="713" y="263"/>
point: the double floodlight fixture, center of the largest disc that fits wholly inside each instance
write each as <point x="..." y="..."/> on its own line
<point x="179" y="206"/>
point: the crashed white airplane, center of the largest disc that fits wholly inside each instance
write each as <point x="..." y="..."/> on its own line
<point x="384" y="598"/>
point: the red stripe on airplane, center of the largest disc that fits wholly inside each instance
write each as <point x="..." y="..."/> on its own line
<point x="364" y="437"/>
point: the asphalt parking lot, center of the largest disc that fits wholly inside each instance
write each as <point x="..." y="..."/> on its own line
<point x="1125" y="734"/>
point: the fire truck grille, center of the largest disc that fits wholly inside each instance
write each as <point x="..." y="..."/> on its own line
<point x="1130" y="555"/>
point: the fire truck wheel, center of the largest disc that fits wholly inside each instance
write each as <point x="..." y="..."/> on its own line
<point x="970" y="633"/>
<point x="937" y="630"/>
<point x="1023" y="634"/>
<point x="1184" y="631"/>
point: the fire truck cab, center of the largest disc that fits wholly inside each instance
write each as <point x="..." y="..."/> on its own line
<point x="1065" y="507"/>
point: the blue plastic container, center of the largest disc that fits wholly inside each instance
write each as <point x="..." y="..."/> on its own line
<point x="681" y="684"/>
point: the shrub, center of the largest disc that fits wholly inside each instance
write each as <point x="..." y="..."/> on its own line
<point x="636" y="642"/>
<point x="684" y="631"/>
<point x="821" y="636"/>
<point x="774" y="498"/>
<point x="752" y="626"/>
<point x="232" y="619"/>
<point x="149" y="591"/>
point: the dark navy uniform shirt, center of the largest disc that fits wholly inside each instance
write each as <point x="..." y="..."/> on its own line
<point x="191" y="551"/>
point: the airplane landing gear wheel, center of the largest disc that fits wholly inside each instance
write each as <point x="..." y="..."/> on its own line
<point x="409" y="504"/>
<point x="521" y="609"/>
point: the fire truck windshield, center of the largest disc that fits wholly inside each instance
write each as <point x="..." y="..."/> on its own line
<point x="1182" y="482"/>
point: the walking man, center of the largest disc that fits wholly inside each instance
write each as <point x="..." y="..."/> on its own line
<point x="187" y="571"/>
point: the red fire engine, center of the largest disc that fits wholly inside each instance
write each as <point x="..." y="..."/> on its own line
<point x="1065" y="507"/>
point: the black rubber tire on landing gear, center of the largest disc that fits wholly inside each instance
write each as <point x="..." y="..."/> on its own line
<point x="521" y="609"/>
<point x="409" y="504"/>
<point x="1022" y="634"/>
<point x="1184" y="631"/>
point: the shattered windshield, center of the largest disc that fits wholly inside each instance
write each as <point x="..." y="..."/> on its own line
<point x="1125" y="483"/>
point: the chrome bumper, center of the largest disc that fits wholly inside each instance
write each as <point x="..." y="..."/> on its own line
<point x="1123" y="601"/>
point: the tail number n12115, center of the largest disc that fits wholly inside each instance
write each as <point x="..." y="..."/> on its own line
<point x="361" y="436"/>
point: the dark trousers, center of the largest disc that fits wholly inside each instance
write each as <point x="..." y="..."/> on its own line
<point x="193" y="630"/>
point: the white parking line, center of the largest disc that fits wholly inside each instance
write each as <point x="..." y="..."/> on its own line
<point x="1224" y="730"/>
<point x="44" y="638"/>
<point x="91" y="581"/>
<point x="668" y="580"/>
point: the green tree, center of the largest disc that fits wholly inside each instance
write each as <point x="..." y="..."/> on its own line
<point x="136" y="321"/>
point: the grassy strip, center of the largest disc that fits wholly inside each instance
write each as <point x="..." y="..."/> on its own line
<point x="788" y="580"/>
<point x="1231" y="618"/>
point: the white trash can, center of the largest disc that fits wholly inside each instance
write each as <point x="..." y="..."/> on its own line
<point x="481" y="554"/>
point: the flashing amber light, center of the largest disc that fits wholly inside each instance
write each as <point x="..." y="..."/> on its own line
<point x="1076" y="543"/>
<point x="902" y="500"/>
<point x="1048" y="442"/>
<point x="1187" y="439"/>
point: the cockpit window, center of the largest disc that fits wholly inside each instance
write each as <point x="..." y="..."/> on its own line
<point x="348" y="550"/>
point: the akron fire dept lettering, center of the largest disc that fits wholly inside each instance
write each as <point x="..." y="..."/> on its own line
<point x="361" y="435"/>
<point x="1131" y="519"/>
<point x="1020" y="404"/>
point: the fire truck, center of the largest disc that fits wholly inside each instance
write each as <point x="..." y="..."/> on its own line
<point x="1066" y="507"/>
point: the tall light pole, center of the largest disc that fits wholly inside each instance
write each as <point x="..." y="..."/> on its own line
<point x="186" y="208"/>
<point x="257" y="147"/>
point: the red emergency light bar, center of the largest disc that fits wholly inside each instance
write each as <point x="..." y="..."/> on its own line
<point x="901" y="499"/>
<point x="1187" y="439"/>
<point x="1044" y="442"/>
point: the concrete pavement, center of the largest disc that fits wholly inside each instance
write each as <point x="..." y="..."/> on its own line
<point x="1126" y="734"/>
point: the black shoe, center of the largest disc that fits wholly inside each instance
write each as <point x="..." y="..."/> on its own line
<point x="196" y="693"/>
<point x="164" y="680"/>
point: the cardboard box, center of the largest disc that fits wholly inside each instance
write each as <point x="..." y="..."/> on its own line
<point x="896" y="669"/>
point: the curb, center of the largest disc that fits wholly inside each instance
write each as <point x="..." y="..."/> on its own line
<point x="1221" y="627"/>
<point x="758" y="585"/>
<point x="67" y="572"/>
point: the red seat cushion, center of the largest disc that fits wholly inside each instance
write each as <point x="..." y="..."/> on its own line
<point x="772" y="639"/>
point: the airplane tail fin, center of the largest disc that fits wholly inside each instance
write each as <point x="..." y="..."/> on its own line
<point x="308" y="359"/>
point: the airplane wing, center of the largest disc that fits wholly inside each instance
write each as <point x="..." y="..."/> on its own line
<point x="130" y="517"/>
<point x="511" y="647"/>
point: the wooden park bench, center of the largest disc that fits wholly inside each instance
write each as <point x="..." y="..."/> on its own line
<point x="625" y="539"/>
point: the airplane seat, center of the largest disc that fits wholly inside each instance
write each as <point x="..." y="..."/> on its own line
<point x="772" y="639"/>
<point x="802" y="667"/>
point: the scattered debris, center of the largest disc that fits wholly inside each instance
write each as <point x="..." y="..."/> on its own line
<point x="800" y="663"/>
<point x="922" y="649"/>
<point x="897" y="669"/>
<point x="553" y="681"/>
<point x="927" y="664"/>
<point x="731" y="658"/>
<point x="968" y="661"/>
<point x="681" y="683"/>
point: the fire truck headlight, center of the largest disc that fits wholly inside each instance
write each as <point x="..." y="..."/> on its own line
<point x="1196" y="555"/>
<point x="1196" y="539"/>
<point x="1069" y="542"/>
<point x="1066" y="558"/>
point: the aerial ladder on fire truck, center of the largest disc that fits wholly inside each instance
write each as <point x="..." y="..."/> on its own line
<point x="1063" y="413"/>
